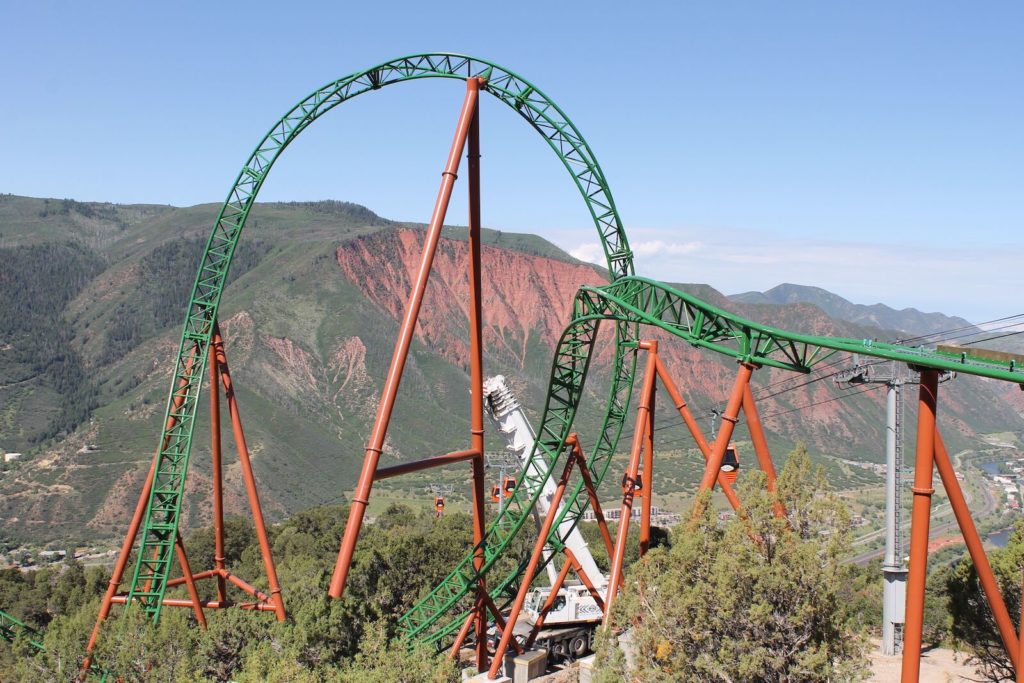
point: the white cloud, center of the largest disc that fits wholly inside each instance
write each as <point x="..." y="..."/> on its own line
<point x="661" y="248"/>
<point x="973" y="282"/>
<point x="590" y="252"/>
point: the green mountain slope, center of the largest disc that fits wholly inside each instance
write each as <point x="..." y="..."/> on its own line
<point x="310" y="318"/>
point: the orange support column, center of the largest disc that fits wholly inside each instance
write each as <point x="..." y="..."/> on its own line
<point x="531" y="567"/>
<point x="247" y="474"/>
<point x="730" y="417"/>
<point x="648" y="486"/>
<point x="977" y="551"/>
<point x="217" y="470"/>
<point x="695" y="432"/>
<point x="628" y="488"/>
<point x="386" y="405"/>
<point x="133" y="529"/>
<point x="476" y="381"/>
<point x="919" y="526"/>
<point x="757" y="435"/>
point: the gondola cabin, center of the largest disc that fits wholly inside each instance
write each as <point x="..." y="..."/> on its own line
<point x="730" y="464"/>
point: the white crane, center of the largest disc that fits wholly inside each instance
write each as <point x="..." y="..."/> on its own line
<point x="506" y="412"/>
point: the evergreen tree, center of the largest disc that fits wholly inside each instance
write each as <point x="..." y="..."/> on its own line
<point x="757" y="599"/>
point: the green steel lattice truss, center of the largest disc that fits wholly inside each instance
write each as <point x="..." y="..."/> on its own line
<point x="163" y="510"/>
<point x="628" y="301"/>
<point x="11" y="629"/>
<point x="633" y="301"/>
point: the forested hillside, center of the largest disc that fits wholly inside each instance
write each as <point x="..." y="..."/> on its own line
<point x="94" y="297"/>
<point x="47" y="391"/>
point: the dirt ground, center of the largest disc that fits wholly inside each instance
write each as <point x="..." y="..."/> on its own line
<point x="937" y="666"/>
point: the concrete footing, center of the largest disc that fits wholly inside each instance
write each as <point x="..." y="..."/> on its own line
<point x="518" y="668"/>
<point x="586" y="670"/>
<point x="470" y="675"/>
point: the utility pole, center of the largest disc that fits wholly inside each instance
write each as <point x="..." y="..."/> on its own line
<point x="894" y="569"/>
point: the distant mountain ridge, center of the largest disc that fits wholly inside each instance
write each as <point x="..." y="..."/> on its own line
<point x="908" y="320"/>
<point x="310" y="317"/>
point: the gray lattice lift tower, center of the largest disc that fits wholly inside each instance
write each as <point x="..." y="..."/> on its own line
<point x="894" y="570"/>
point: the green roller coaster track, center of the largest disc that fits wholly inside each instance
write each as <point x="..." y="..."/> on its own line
<point x="11" y="629"/>
<point x="628" y="301"/>
<point x="163" y="509"/>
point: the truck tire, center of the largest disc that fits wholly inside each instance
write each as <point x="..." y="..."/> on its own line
<point x="578" y="645"/>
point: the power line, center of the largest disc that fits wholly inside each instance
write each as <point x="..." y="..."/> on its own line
<point x="818" y="403"/>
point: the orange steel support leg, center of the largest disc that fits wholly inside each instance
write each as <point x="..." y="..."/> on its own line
<point x="531" y="567"/>
<point x="1020" y="649"/>
<point x="764" y="456"/>
<point x="642" y="412"/>
<point x="476" y="381"/>
<point x="580" y="572"/>
<point x="757" y="435"/>
<point x="695" y="432"/>
<point x="217" y="473"/>
<point x="648" y="488"/>
<point x="918" y="569"/>
<point x="499" y="621"/>
<point x="977" y="551"/>
<point x="129" y="539"/>
<point x="729" y="418"/>
<point x="463" y="632"/>
<point x="401" y="352"/>
<point x="247" y="474"/>
<point x="186" y="572"/>
<point x="549" y="603"/>
<point x="588" y="482"/>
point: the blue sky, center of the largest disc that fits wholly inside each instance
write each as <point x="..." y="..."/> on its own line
<point x="874" y="149"/>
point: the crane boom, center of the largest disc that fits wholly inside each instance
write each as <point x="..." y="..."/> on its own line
<point x="507" y="413"/>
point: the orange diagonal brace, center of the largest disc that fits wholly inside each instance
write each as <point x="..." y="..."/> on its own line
<point x="695" y="431"/>
<point x="920" y="513"/>
<point x="642" y="411"/>
<point x="977" y="551"/>
<point x="248" y="476"/>
<point x="405" y="334"/>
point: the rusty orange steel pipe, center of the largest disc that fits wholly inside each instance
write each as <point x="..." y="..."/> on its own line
<point x="425" y="464"/>
<point x="683" y="409"/>
<point x="588" y="482"/>
<point x="642" y="411"/>
<point x="648" y="487"/>
<point x="531" y="567"/>
<point x="922" y="489"/>
<point x="133" y="527"/>
<point x="401" y="352"/>
<point x="186" y="574"/>
<point x="695" y="432"/>
<point x="976" y="550"/>
<point x="216" y="466"/>
<point x="476" y="374"/>
<point x="757" y="436"/>
<point x="582" y="573"/>
<point x="249" y="478"/>
<point x="730" y="417"/>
